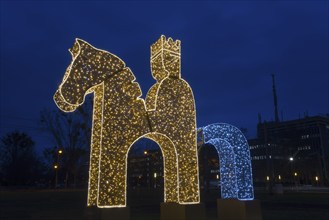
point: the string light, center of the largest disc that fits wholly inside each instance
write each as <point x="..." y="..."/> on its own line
<point x="170" y="165"/>
<point x="227" y="168"/>
<point x="172" y="112"/>
<point x="235" y="161"/>
<point x="121" y="117"/>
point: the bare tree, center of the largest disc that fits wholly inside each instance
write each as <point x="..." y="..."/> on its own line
<point x="19" y="164"/>
<point x="70" y="133"/>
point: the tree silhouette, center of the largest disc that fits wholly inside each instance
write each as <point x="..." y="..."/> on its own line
<point x="71" y="133"/>
<point x="19" y="164"/>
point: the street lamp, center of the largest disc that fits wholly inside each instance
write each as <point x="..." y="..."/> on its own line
<point x="316" y="180"/>
<point x="291" y="159"/>
<point x="56" y="174"/>
<point x="155" y="180"/>
<point x="56" y="167"/>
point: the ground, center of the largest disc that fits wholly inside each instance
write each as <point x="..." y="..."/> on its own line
<point x="145" y="204"/>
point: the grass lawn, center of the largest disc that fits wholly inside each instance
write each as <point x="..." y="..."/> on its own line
<point x="145" y="205"/>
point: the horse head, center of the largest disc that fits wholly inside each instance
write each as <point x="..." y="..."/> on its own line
<point x="89" y="68"/>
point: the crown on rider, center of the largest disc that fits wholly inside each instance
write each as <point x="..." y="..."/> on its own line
<point x="164" y="44"/>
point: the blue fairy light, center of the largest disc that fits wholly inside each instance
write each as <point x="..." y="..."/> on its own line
<point x="235" y="162"/>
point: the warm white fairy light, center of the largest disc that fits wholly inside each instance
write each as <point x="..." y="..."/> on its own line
<point x="171" y="107"/>
<point x="120" y="117"/>
<point x="236" y="171"/>
<point x="170" y="165"/>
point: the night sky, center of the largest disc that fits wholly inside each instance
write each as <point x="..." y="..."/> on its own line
<point x="229" y="51"/>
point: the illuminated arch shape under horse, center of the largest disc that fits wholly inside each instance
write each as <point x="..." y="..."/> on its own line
<point x="234" y="156"/>
<point x="120" y="118"/>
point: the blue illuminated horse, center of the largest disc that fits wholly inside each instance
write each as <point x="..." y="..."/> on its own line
<point x="235" y="162"/>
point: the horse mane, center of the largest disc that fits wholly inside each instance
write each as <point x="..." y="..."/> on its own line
<point x="100" y="58"/>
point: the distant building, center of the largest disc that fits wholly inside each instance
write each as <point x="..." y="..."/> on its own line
<point x="209" y="174"/>
<point x="145" y="169"/>
<point x="295" y="151"/>
<point x="289" y="152"/>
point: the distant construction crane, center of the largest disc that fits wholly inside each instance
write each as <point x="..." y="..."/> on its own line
<point x="276" y="114"/>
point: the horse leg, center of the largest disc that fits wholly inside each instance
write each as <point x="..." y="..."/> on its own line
<point x="112" y="177"/>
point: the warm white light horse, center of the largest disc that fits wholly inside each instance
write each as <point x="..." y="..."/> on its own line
<point x="120" y="118"/>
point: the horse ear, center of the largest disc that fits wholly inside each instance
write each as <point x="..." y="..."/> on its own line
<point x="79" y="42"/>
<point x="76" y="47"/>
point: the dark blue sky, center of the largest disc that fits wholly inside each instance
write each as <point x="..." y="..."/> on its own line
<point x="229" y="51"/>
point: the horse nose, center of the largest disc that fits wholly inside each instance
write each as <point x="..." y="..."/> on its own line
<point x="62" y="103"/>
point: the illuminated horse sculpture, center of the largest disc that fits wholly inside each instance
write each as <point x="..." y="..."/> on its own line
<point x="234" y="156"/>
<point x="120" y="118"/>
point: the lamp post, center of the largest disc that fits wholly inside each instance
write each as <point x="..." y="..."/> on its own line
<point x="291" y="159"/>
<point x="217" y="181"/>
<point x="56" y="166"/>
<point x="155" y="180"/>
<point x="148" y="169"/>
<point x="56" y="174"/>
<point x="296" y="179"/>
